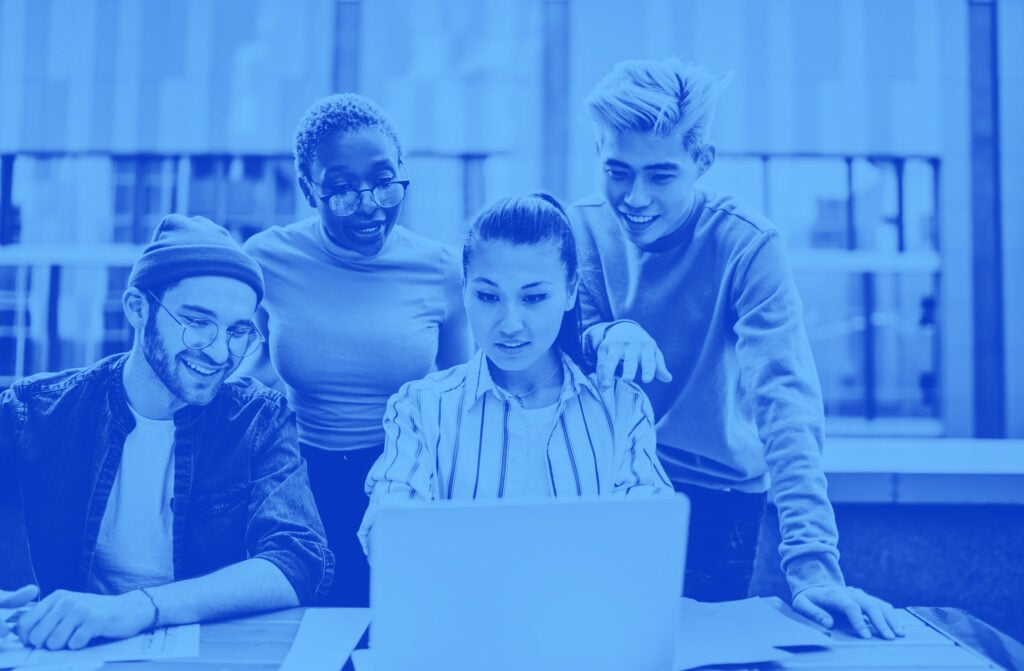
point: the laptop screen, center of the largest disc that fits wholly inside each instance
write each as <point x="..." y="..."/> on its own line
<point x="551" y="584"/>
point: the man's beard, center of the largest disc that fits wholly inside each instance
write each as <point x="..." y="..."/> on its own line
<point x="155" y="350"/>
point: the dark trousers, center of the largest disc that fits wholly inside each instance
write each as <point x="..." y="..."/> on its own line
<point x="337" y="480"/>
<point x="722" y="542"/>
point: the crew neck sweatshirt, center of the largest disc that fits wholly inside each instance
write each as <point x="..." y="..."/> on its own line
<point x="744" y="408"/>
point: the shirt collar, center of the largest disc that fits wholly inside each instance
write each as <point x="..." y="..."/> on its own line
<point x="480" y="380"/>
<point x="117" y="397"/>
<point x="121" y="410"/>
<point x="345" y="254"/>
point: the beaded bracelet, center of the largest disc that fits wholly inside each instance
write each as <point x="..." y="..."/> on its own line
<point x="155" y="624"/>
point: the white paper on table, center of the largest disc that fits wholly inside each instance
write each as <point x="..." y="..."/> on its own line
<point x="326" y="638"/>
<point x="362" y="660"/>
<point x="699" y="652"/>
<point x="738" y="632"/>
<point x="166" y="643"/>
<point x="86" y="666"/>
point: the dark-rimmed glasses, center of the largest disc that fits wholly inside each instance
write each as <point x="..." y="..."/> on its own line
<point x="197" y="334"/>
<point x="344" y="203"/>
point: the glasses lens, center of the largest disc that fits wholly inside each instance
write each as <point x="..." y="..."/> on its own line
<point x="390" y="195"/>
<point x="344" y="203"/>
<point x="244" y="343"/>
<point x="199" y="334"/>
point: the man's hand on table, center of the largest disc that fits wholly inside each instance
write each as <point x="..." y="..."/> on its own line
<point x="15" y="599"/>
<point x="858" y="607"/>
<point x="72" y="619"/>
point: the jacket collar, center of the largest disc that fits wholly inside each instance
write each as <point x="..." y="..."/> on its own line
<point x="117" y="399"/>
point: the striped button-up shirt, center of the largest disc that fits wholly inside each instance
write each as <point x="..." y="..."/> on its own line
<point x="447" y="437"/>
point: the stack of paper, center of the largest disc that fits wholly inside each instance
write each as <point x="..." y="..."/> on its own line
<point x="172" y="642"/>
<point x="714" y="634"/>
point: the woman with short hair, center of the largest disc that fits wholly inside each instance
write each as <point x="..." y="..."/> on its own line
<point x="356" y="305"/>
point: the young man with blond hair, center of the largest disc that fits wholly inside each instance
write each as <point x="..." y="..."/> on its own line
<point x="694" y="282"/>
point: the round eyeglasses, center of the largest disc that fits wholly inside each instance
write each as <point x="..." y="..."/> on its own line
<point x="385" y="194"/>
<point x="199" y="334"/>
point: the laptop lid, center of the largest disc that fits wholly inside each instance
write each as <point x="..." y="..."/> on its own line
<point x="528" y="586"/>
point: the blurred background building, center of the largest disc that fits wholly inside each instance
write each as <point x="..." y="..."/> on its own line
<point x="849" y="122"/>
<point x="878" y="135"/>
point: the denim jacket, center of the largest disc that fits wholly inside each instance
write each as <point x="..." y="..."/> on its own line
<point x="240" y="487"/>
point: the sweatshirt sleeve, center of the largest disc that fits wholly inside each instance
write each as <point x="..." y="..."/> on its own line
<point x="778" y="371"/>
<point x="594" y="306"/>
<point x="595" y="310"/>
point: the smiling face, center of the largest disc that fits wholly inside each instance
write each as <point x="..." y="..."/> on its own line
<point x="516" y="296"/>
<point x="649" y="181"/>
<point x="189" y="376"/>
<point x="355" y="160"/>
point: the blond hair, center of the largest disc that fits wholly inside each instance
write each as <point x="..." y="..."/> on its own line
<point x="661" y="97"/>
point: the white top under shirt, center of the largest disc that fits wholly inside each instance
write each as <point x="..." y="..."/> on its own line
<point x="134" y="548"/>
<point x="527" y="474"/>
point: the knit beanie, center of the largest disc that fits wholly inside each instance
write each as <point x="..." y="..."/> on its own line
<point x="191" y="247"/>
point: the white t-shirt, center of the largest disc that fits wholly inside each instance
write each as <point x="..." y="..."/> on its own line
<point x="134" y="548"/>
<point x="528" y="433"/>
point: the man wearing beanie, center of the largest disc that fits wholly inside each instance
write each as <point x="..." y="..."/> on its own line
<point x="147" y="490"/>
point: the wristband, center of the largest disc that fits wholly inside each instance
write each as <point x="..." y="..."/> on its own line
<point x="616" y="323"/>
<point x="591" y="343"/>
<point x="155" y="624"/>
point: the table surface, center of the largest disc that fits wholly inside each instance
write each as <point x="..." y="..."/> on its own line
<point x="936" y="639"/>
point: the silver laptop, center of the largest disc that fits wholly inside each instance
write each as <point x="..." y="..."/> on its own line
<point x="589" y="585"/>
